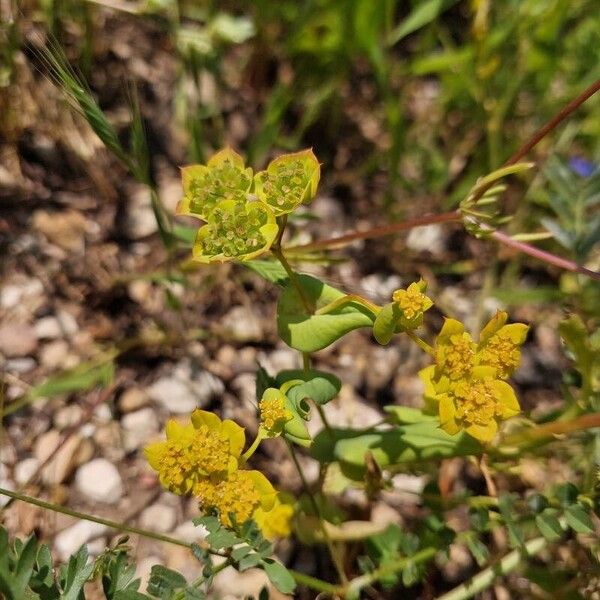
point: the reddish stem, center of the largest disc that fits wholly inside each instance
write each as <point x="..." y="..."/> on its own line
<point x="547" y="257"/>
<point x="376" y="232"/>
<point x="543" y="131"/>
<point x="456" y="215"/>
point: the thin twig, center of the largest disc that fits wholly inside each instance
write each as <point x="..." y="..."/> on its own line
<point x="547" y="257"/>
<point x="332" y="551"/>
<point x="107" y="522"/>
<point x="545" y="129"/>
<point x="376" y="232"/>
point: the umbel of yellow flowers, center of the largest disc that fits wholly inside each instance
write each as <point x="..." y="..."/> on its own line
<point x="204" y="459"/>
<point x="467" y="383"/>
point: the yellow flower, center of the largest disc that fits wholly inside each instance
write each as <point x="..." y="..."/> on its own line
<point x="235" y="231"/>
<point x="498" y="347"/>
<point x="413" y="303"/>
<point x="240" y="494"/>
<point x="475" y="403"/>
<point x="466" y="384"/>
<point x="499" y="344"/>
<point x="224" y="177"/>
<point x="208" y="447"/>
<point x="274" y="413"/>
<point x="454" y="351"/>
<point x="276" y="523"/>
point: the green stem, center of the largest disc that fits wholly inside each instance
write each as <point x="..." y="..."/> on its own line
<point x="332" y="551"/>
<point x="486" y="578"/>
<point x="112" y="524"/>
<point x="349" y="299"/>
<point x="320" y="410"/>
<point x="420" y="342"/>
<point x="200" y="580"/>
<point x="316" y="584"/>
<point x="307" y="580"/>
<point x="306" y="359"/>
<point x="357" y="584"/>
<point x="260" y="436"/>
<point x="293" y="278"/>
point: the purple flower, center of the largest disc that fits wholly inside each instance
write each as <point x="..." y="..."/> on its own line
<point x="582" y="166"/>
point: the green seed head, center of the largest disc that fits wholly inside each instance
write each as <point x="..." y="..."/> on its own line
<point x="288" y="181"/>
<point x="236" y="230"/>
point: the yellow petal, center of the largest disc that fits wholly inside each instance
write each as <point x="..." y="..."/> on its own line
<point x="450" y="327"/>
<point x="226" y="155"/>
<point x="450" y="427"/>
<point x="153" y="454"/>
<point x="232" y="464"/>
<point x="483" y="433"/>
<point x="427" y="303"/>
<point x="236" y="436"/>
<point x="203" y="417"/>
<point x="426" y="376"/>
<point x="507" y="399"/>
<point x="267" y="492"/>
<point x="175" y="430"/>
<point x="493" y="326"/>
<point x="516" y="332"/>
<point x="447" y="415"/>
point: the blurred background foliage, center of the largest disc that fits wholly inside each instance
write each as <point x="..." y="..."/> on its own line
<point x="405" y="102"/>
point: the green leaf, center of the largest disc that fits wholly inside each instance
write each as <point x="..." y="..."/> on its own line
<point x="24" y="567"/>
<point x="578" y="519"/>
<point x="270" y="270"/>
<point x="241" y="551"/>
<point x="549" y="525"/>
<point x="163" y="582"/>
<point x="319" y="386"/>
<point x="405" y="415"/>
<point x="384" y="326"/>
<point x="130" y="595"/>
<point x="586" y="354"/>
<point x="76" y="574"/>
<point x="250" y="561"/>
<point x="566" y="493"/>
<point x="222" y="538"/>
<point x="185" y="234"/>
<point x="279" y="576"/>
<point x="423" y="14"/>
<point x="506" y="505"/>
<point x="309" y="333"/>
<point x="537" y="502"/>
<point x="416" y="442"/>
<point x="210" y="522"/>
<point x="478" y="549"/>
<point x="82" y="378"/>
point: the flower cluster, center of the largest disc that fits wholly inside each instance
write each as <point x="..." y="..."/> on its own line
<point x="274" y="412"/>
<point x="204" y="458"/>
<point x="467" y="385"/>
<point x="240" y="221"/>
<point x="413" y="303"/>
<point x="403" y="314"/>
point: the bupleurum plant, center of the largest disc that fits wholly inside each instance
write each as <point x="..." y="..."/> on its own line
<point x="468" y="405"/>
<point x="467" y="396"/>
